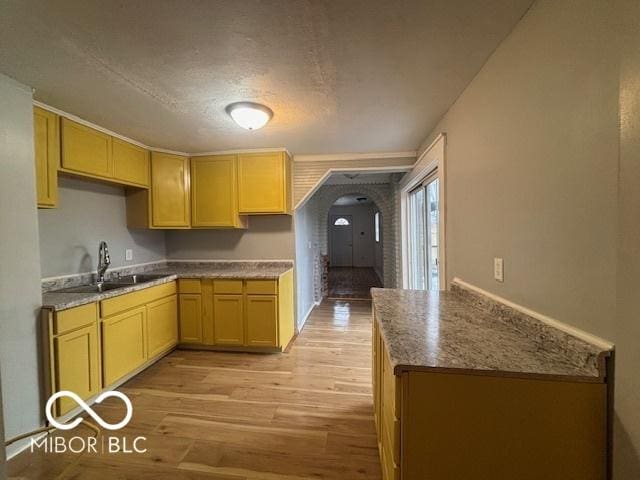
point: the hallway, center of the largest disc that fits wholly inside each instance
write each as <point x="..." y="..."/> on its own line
<point x="352" y="282"/>
<point x="206" y="415"/>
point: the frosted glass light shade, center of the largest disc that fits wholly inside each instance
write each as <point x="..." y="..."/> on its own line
<point x="249" y="115"/>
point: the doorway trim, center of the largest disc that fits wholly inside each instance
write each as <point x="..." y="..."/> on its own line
<point x="431" y="159"/>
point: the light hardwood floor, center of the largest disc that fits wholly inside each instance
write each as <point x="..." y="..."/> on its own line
<point x="304" y="414"/>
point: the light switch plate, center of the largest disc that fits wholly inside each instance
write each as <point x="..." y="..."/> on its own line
<point x="498" y="269"/>
<point x="128" y="254"/>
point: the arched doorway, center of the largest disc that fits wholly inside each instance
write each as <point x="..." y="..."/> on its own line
<point x="355" y="247"/>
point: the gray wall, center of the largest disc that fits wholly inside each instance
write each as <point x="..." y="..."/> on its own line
<point x="306" y="258"/>
<point x="87" y="213"/>
<point x="532" y="176"/>
<point x="363" y="244"/>
<point x="269" y="237"/>
<point x="532" y="147"/>
<point x="627" y="328"/>
<point x="3" y="458"/>
<point x="20" y="295"/>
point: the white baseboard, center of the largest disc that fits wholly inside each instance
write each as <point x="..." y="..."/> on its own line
<point x="306" y="315"/>
<point x="27" y="444"/>
<point x="552" y="322"/>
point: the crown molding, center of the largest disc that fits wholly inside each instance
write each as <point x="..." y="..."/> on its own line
<point x="337" y="157"/>
<point x="241" y="150"/>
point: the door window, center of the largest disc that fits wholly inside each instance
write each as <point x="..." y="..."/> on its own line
<point x="424" y="233"/>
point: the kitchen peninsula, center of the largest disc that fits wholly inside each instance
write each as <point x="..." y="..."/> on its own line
<point x="465" y="387"/>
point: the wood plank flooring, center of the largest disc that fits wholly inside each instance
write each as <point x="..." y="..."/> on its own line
<point x="304" y="414"/>
<point x="352" y="282"/>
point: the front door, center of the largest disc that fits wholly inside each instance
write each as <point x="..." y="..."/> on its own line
<point x="341" y="229"/>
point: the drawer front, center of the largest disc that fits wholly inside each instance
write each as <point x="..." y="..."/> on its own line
<point x="74" y="318"/>
<point x="127" y="301"/>
<point x="262" y="287"/>
<point x="231" y="287"/>
<point x="189" y="285"/>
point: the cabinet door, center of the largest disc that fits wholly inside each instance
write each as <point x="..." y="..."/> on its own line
<point x="214" y="197"/>
<point x="169" y="190"/>
<point x="77" y="368"/>
<point x="123" y="344"/>
<point x="85" y="150"/>
<point x="162" y="325"/>
<point x="130" y="163"/>
<point x="191" y="318"/>
<point x="262" y="320"/>
<point x="262" y="183"/>
<point x="46" y="127"/>
<point x="228" y="319"/>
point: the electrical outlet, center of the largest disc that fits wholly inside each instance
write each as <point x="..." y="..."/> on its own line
<point x="128" y="254"/>
<point x="498" y="269"/>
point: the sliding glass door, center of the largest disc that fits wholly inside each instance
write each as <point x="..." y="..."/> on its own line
<point x="423" y="224"/>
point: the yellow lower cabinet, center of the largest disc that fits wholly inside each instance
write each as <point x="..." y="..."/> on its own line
<point x="123" y="344"/>
<point x="262" y="320"/>
<point x="76" y="365"/>
<point x="228" y="319"/>
<point x="162" y="325"/>
<point x="190" y="318"/>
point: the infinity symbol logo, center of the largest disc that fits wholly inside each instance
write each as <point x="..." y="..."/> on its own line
<point x="88" y="409"/>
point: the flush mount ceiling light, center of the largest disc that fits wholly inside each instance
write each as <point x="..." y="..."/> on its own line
<point x="249" y="115"/>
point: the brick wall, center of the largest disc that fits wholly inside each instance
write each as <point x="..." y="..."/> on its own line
<point x="386" y="198"/>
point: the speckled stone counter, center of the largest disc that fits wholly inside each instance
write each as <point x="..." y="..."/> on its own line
<point x="458" y="332"/>
<point x="171" y="271"/>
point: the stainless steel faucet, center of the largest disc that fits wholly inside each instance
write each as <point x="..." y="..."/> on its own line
<point x="104" y="260"/>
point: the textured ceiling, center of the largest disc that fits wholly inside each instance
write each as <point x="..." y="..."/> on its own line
<point x="341" y="76"/>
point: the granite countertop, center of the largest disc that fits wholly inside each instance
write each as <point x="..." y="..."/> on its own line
<point x="454" y="332"/>
<point x="57" y="301"/>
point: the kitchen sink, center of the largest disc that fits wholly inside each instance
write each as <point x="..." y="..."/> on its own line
<point x="140" y="278"/>
<point x="94" y="288"/>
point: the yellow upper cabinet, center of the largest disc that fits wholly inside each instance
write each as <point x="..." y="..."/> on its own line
<point x="86" y="151"/>
<point x="169" y="191"/>
<point x="214" y="195"/>
<point x="46" y="130"/>
<point x="130" y="163"/>
<point x="264" y="183"/>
